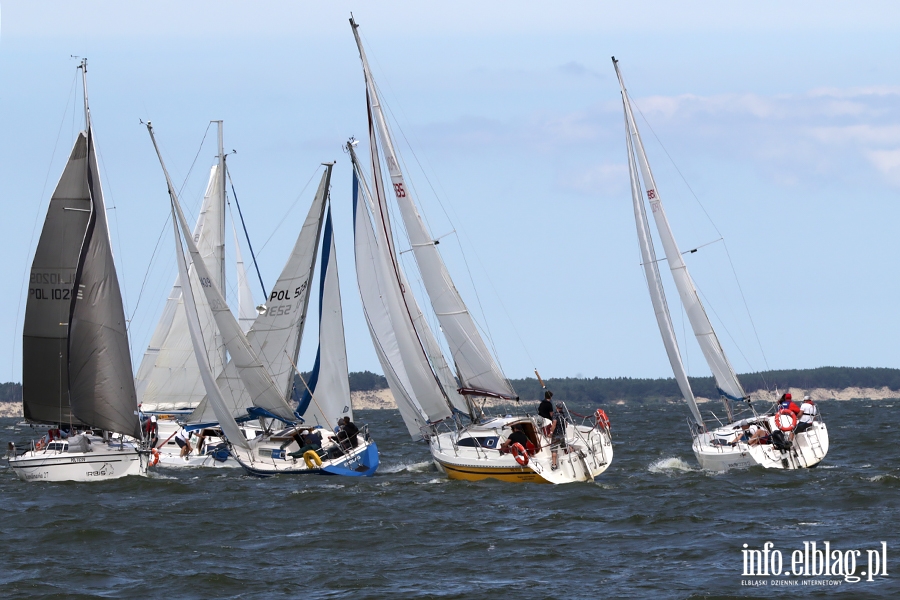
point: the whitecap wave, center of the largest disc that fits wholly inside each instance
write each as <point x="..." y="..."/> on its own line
<point x="668" y="465"/>
<point x="420" y="467"/>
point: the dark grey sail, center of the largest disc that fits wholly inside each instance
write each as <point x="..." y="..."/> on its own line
<point x="101" y="384"/>
<point x="45" y="390"/>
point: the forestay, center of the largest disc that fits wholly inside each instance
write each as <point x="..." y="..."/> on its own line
<point x="725" y="377"/>
<point x="476" y="366"/>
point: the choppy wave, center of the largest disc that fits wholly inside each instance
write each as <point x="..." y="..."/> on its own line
<point x="670" y="465"/>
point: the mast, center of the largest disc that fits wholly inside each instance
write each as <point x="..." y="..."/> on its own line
<point x="727" y="383"/>
<point x="219" y="251"/>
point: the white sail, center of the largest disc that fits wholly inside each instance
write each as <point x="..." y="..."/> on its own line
<point x="474" y="363"/>
<point x="226" y="421"/>
<point x="654" y="285"/>
<point x="380" y="297"/>
<point x="329" y="381"/>
<point x="724" y="374"/>
<point x="276" y="334"/>
<point x="168" y="377"/>
<point x="246" y="308"/>
<point x="253" y="373"/>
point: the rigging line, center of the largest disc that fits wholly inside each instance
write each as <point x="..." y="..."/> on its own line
<point x="149" y="266"/>
<point x="205" y="133"/>
<point x="727" y="253"/>
<point x="247" y="235"/>
<point x="284" y="218"/>
<point x="69" y="97"/>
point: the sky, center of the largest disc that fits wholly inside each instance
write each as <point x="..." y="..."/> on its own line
<point x="773" y="130"/>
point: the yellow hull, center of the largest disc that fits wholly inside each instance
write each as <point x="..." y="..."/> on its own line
<point x="512" y="475"/>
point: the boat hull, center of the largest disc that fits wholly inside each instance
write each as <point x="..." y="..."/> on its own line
<point x="109" y="462"/>
<point x="268" y="460"/>
<point x="589" y="453"/>
<point x="807" y="450"/>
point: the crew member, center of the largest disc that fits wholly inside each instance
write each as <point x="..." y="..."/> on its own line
<point x="808" y="413"/>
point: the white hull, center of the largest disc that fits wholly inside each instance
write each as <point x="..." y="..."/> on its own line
<point x="176" y="461"/>
<point x="105" y="461"/>
<point x="170" y="453"/>
<point x="807" y="450"/>
<point x="472" y="453"/>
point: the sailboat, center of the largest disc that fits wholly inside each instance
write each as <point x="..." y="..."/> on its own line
<point x="76" y="363"/>
<point x="437" y="404"/>
<point x="257" y="380"/>
<point x="168" y="381"/>
<point x="721" y="447"/>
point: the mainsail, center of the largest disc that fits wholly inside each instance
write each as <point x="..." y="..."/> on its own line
<point x="726" y="379"/>
<point x="328" y="395"/>
<point x="45" y="357"/>
<point x="478" y="371"/>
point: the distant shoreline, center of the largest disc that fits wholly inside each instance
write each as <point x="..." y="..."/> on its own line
<point x="383" y="399"/>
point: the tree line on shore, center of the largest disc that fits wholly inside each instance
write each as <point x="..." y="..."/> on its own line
<point x="600" y="390"/>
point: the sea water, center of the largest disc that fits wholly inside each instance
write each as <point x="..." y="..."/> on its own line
<point x="653" y="526"/>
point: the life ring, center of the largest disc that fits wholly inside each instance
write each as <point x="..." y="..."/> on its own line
<point x="39" y="444"/>
<point x="154" y="457"/>
<point x="310" y="457"/>
<point x="789" y="413"/>
<point x="601" y="418"/>
<point x="519" y="453"/>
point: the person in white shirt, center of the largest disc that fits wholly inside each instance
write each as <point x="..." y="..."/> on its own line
<point x="752" y="434"/>
<point x="183" y="439"/>
<point x="808" y="413"/>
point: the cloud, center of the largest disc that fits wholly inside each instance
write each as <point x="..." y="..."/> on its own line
<point x="888" y="164"/>
<point x="605" y="178"/>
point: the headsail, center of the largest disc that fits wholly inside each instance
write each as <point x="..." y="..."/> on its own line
<point x="168" y="377"/>
<point x="276" y="334"/>
<point x="476" y="366"/>
<point x="726" y="379"/>
<point x="246" y="307"/>
<point x="329" y="380"/>
<point x="380" y="295"/>
<point x="101" y="385"/>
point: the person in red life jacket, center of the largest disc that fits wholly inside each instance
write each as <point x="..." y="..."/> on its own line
<point x="151" y="431"/>
<point x="787" y="403"/>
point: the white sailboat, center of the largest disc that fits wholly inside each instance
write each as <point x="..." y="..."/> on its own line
<point x="433" y="401"/>
<point x="257" y="380"/>
<point x="168" y="381"/>
<point x="717" y="448"/>
<point x="76" y="363"/>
